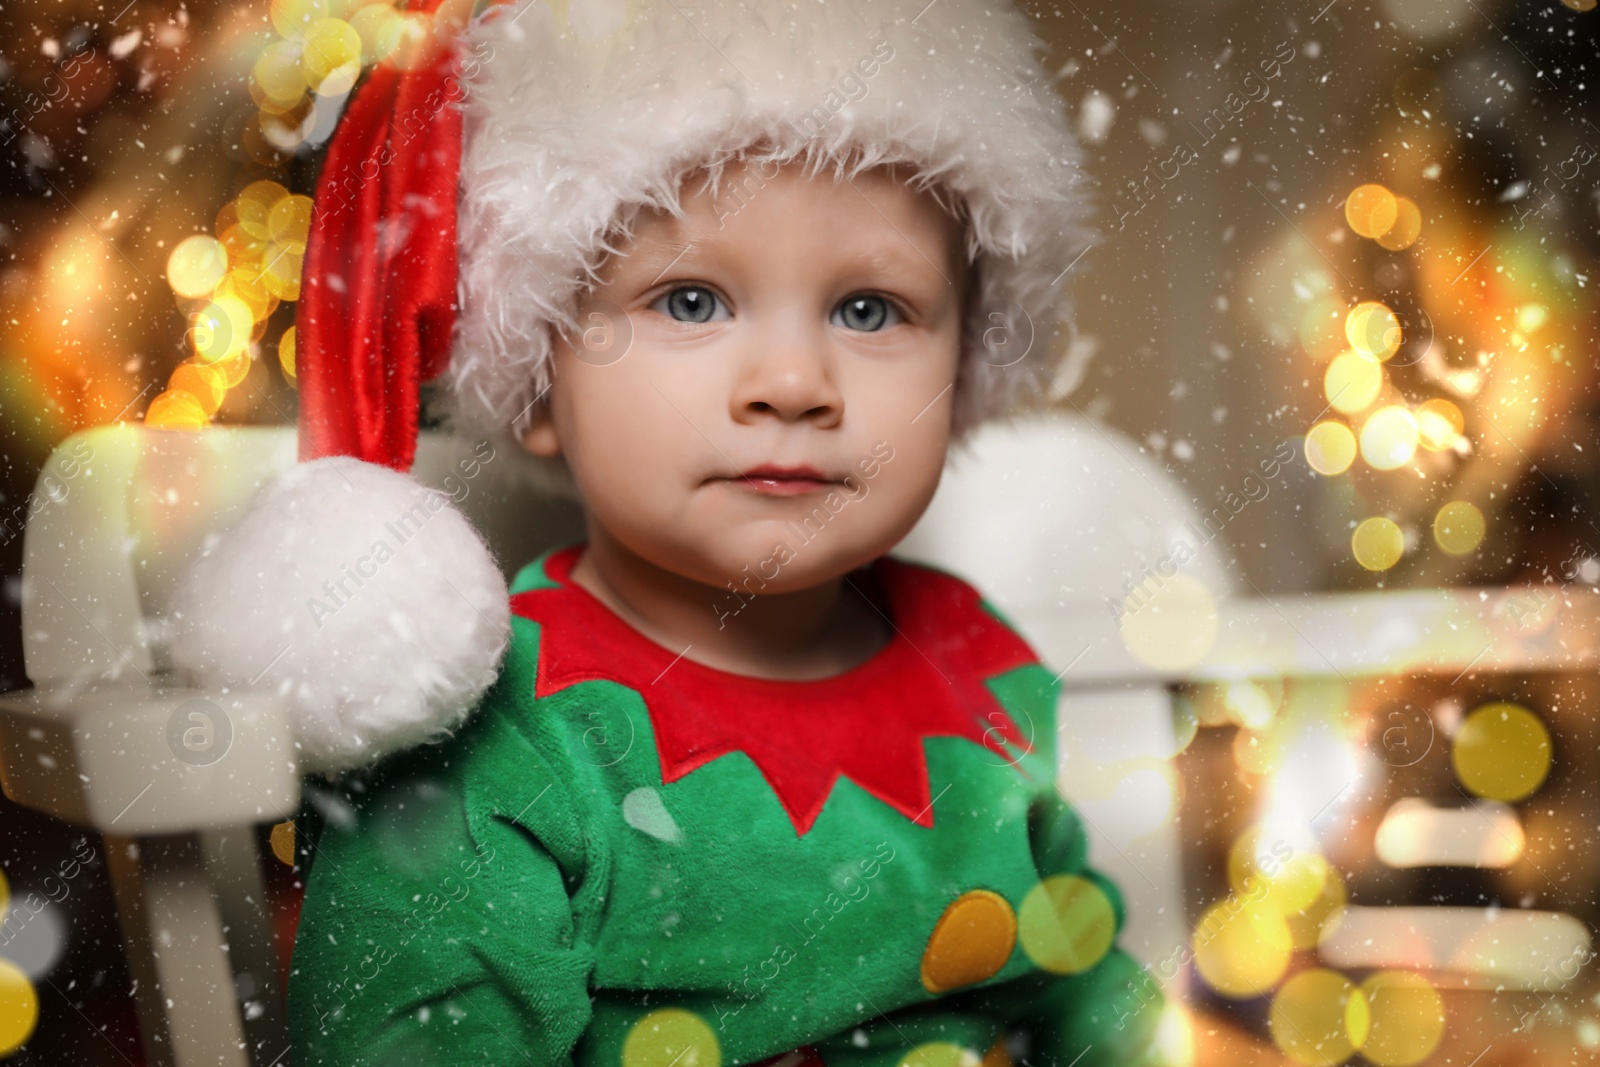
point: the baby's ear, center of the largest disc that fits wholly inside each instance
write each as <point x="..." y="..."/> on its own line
<point x="540" y="437"/>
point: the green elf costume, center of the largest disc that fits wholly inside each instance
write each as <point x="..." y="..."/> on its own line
<point x="540" y="838"/>
<point x="629" y="858"/>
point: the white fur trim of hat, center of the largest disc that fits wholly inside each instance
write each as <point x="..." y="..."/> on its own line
<point x="572" y="124"/>
<point x="366" y="600"/>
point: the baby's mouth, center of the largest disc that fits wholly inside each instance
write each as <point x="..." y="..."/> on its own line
<point x="772" y="480"/>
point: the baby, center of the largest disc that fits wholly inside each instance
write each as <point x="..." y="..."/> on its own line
<point x="740" y="788"/>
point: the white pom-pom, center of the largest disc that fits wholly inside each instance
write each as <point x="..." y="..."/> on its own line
<point x="363" y="597"/>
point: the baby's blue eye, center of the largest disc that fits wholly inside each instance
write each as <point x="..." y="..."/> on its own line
<point x="687" y="303"/>
<point x="867" y="313"/>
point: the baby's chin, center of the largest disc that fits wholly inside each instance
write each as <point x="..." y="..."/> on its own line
<point x="772" y="557"/>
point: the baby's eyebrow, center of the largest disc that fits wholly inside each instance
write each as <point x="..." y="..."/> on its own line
<point x="902" y="256"/>
<point x="673" y="262"/>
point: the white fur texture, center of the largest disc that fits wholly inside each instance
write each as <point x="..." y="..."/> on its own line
<point x="572" y="127"/>
<point x="376" y="648"/>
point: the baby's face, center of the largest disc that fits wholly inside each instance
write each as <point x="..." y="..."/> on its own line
<point x="781" y="404"/>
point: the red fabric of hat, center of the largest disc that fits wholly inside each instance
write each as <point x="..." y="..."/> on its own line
<point x="379" y="283"/>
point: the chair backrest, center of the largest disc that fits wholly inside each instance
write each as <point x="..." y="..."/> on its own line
<point x="120" y="509"/>
<point x="1051" y="515"/>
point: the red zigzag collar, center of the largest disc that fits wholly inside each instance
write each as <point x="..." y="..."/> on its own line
<point x="867" y="724"/>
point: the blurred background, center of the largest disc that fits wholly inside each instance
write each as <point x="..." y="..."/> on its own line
<point x="1342" y="293"/>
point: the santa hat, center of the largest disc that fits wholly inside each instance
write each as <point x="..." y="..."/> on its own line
<point x="467" y="200"/>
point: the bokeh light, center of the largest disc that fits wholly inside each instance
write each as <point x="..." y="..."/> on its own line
<point x="1318" y="1018"/>
<point x="1370" y="210"/>
<point x="222" y="328"/>
<point x="1407" y="1019"/>
<point x="176" y="410"/>
<point x="1439" y="424"/>
<point x="1502" y="752"/>
<point x="1378" y="543"/>
<point x="196" y="265"/>
<point x="331" y="60"/>
<point x="1407" y="226"/>
<point x="1293" y="876"/>
<point x="1352" y="382"/>
<point x="1066" y="924"/>
<point x="1242" y="947"/>
<point x="278" y="75"/>
<point x="1373" y="330"/>
<point x="1171" y="626"/>
<point x="1389" y="438"/>
<point x="292" y="18"/>
<point x="286" y="353"/>
<point x="671" y="1037"/>
<point x="1458" y="528"/>
<point x="19" y="1007"/>
<point x="940" y="1054"/>
<point x="1330" y="448"/>
<point x="1307" y="924"/>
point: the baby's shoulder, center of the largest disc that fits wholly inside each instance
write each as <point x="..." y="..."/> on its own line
<point x="933" y="600"/>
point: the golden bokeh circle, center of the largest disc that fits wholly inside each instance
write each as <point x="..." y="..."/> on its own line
<point x="332" y="48"/>
<point x="1293" y="877"/>
<point x="1406" y="1019"/>
<point x="1439" y="423"/>
<point x="221" y="329"/>
<point x="201" y="381"/>
<point x="1352" y="382"/>
<point x="1370" y="210"/>
<point x="278" y="74"/>
<point x="1307" y="924"/>
<point x="1171" y="625"/>
<point x="280" y="273"/>
<point x="1407" y="226"/>
<point x="379" y="35"/>
<point x="1389" y="438"/>
<point x="19" y="1008"/>
<point x="1309" y="1018"/>
<point x="286" y="353"/>
<point x="1458" y="528"/>
<point x="292" y="18"/>
<point x="289" y="222"/>
<point x="1066" y="924"/>
<point x="234" y="368"/>
<point x="1378" y="543"/>
<point x="1330" y="448"/>
<point x="245" y="285"/>
<point x="939" y="1054"/>
<point x="175" y="409"/>
<point x="671" y="1037"/>
<point x="1373" y="330"/>
<point x="1502" y="752"/>
<point x="1242" y="947"/>
<point x="255" y="203"/>
<point x="196" y="265"/>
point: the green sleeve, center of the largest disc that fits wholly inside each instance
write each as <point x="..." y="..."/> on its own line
<point x="1105" y="1016"/>
<point x="439" y="924"/>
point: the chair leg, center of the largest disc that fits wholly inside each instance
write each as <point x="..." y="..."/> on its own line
<point x="234" y="863"/>
<point x="172" y="926"/>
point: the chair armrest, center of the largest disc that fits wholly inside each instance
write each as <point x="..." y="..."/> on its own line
<point x="134" y="759"/>
<point x="1346" y="635"/>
